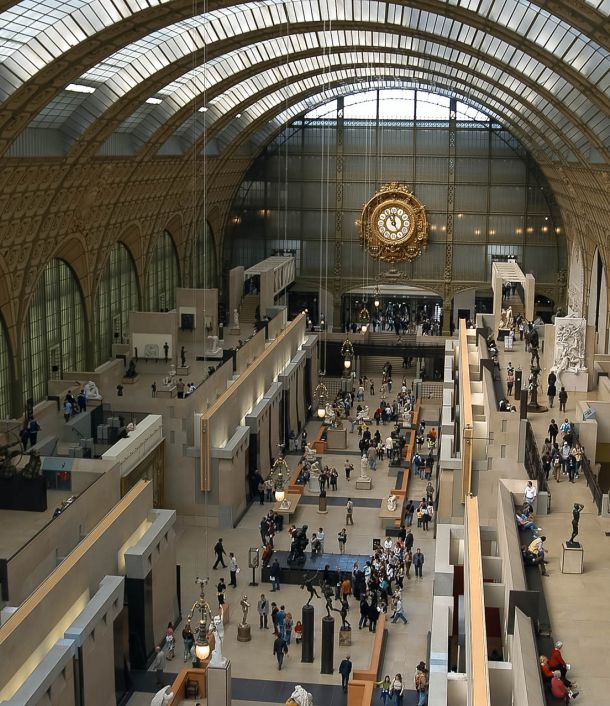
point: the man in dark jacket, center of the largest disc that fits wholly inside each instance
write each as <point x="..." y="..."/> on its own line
<point x="219" y="550"/>
<point x="345" y="669"/>
<point x="280" y="648"/>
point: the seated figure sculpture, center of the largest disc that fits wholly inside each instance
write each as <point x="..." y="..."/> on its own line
<point x="300" y="697"/>
<point x="298" y="545"/>
<point x="91" y="391"/>
<point x="310" y="453"/>
<point x="392" y="502"/>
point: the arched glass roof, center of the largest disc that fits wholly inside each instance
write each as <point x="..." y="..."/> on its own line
<point x="140" y="70"/>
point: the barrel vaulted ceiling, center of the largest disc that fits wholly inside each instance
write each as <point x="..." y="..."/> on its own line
<point x="141" y="78"/>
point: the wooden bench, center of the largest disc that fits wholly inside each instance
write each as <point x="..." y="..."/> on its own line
<point x="179" y="685"/>
<point x="293" y="486"/>
<point x="409" y="448"/>
<point x="317" y="444"/>
<point x="371" y="674"/>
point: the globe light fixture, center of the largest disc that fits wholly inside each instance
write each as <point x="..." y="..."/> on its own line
<point x="321" y="398"/>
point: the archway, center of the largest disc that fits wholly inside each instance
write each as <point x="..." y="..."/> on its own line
<point x="117" y="294"/>
<point x="597" y="314"/>
<point x="53" y="337"/>
<point x="162" y="275"/>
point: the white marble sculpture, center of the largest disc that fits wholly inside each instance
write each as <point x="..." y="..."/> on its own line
<point x="162" y="697"/>
<point x="569" y="345"/>
<point x="314" y="469"/>
<point x="503" y="320"/>
<point x="364" y="465"/>
<point x="235" y="318"/>
<point x="301" y="697"/>
<point x="329" y="416"/>
<point x="217" y="628"/>
<point x="91" y="391"/>
<point x="310" y="453"/>
<point x="576" y="283"/>
<point x="213" y="347"/>
<point x="392" y="502"/>
<point x="509" y="317"/>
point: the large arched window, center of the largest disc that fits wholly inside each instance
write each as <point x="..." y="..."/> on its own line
<point x="117" y="295"/>
<point x="53" y="337"/>
<point x="5" y="373"/>
<point x="204" y="259"/>
<point x="163" y="275"/>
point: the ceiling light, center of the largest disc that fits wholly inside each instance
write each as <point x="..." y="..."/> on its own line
<point x="203" y="109"/>
<point x="79" y="88"/>
<point x="238" y="115"/>
<point x="154" y="101"/>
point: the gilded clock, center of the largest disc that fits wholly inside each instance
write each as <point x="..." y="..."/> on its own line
<point x="394" y="226"/>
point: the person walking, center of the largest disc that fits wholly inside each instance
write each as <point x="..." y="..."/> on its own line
<point x="221" y="587"/>
<point x="263" y="611"/>
<point x="159" y="664"/>
<point x="219" y="550"/>
<point x="288" y="625"/>
<point x="399" y="612"/>
<point x="280" y="649"/>
<point x="345" y="669"/>
<point x="418" y="563"/>
<point x="233" y="569"/>
<point x="553" y="430"/>
<point x="349" y="512"/>
<point x="280" y="622"/>
<point x="510" y="381"/>
<point x="563" y="398"/>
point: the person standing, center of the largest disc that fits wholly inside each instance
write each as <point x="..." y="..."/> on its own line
<point x="563" y="398"/>
<point x="530" y="493"/>
<point x="349" y="512"/>
<point x="280" y="648"/>
<point x="321" y="538"/>
<point x="33" y="429"/>
<point x="274" y="576"/>
<point x="408" y="563"/>
<point x="553" y="430"/>
<point x="219" y="550"/>
<point x="397" y="689"/>
<point x="159" y="664"/>
<point x="263" y="611"/>
<point x="550" y="393"/>
<point x="180" y="388"/>
<point x="421" y="684"/>
<point x="345" y="669"/>
<point x="153" y="389"/>
<point x="233" y="569"/>
<point x="288" y="625"/>
<point x="67" y="410"/>
<point x="280" y="620"/>
<point x="221" y="587"/>
<point x="342" y="539"/>
<point x="418" y="563"/>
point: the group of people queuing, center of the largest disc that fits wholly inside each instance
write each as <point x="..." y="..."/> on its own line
<point x="564" y="458"/>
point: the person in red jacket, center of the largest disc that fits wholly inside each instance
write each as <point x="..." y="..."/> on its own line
<point x="560" y="690"/>
<point x="556" y="661"/>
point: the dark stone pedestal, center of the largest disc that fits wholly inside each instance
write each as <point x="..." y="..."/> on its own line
<point x="328" y="644"/>
<point x="307" y="643"/>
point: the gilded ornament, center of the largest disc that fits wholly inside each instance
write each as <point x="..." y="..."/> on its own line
<point x="394" y="225"/>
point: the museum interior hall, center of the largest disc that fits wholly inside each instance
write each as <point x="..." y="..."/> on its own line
<point x="303" y="322"/>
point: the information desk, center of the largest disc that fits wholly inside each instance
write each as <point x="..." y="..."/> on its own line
<point x="293" y="500"/>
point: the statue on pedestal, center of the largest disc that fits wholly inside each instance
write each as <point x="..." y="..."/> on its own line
<point x="364" y="464"/>
<point x="578" y="508"/>
<point x="217" y="629"/>
<point x="392" y="502"/>
<point x="298" y="545"/>
<point x="245" y="606"/>
<point x="213" y="347"/>
<point x="308" y="584"/>
<point x="163" y="697"/>
<point x="235" y="318"/>
<point x="91" y="391"/>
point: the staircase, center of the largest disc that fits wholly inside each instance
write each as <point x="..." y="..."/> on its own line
<point x="372" y="365"/>
<point x="247" y="309"/>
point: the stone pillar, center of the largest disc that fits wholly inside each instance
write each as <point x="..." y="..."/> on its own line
<point x="219" y="685"/>
<point x="328" y="645"/>
<point x="308" y="630"/>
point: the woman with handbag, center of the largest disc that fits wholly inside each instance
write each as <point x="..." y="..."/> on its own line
<point x="397" y="689"/>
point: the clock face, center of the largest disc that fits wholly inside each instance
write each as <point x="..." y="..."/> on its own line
<point x="394" y="223"/>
